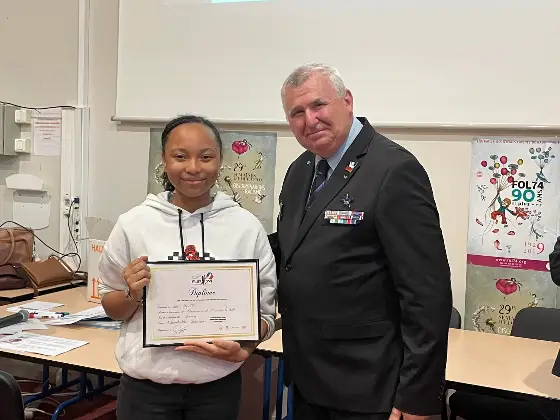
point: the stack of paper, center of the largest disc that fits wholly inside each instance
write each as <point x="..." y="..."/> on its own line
<point x="92" y="313"/>
<point x="35" y="306"/>
<point x="102" y="323"/>
<point x="41" y="344"/>
<point x="30" y="324"/>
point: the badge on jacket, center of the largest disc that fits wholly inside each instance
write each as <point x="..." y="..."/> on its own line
<point x="344" y="217"/>
<point x="347" y="200"/>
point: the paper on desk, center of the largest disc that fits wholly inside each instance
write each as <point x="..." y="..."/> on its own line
<point x="92" y="313"/>
<point x="41" y="344"/>
<point x="36" y="305"/>
<point x="30" y="324"/>
<point x="106" y="325"/>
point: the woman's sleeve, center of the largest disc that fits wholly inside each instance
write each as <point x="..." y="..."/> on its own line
<point x="115" y="257"/>
<point x="268" y="281"/>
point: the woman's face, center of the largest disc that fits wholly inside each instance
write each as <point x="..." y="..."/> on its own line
<point x="192" y="159"/>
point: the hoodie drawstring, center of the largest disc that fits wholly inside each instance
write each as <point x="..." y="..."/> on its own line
<point x="183" y="253"/>
<point x="202" y="228"/>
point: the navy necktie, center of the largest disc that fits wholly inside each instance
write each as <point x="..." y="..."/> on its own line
<point x="319" y="181"/>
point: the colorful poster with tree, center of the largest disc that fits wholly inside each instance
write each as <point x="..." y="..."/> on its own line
<point x="247" y="172"/>
<point x="513" y="225"/>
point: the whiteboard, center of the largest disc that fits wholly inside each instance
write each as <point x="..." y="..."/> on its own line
<point x="431" y="62"/>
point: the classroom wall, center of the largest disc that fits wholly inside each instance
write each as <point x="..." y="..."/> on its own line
<point x="119" y="153"/>
<point x="38" y="67"/>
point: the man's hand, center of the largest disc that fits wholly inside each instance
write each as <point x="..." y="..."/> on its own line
<point x="399" y="415"/>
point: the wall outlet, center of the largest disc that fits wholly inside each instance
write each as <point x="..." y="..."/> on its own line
<point x="75" y="223"/>
<point x="23" y="116"/>
<point x="22" y="145"/>
<point x="67" y="203"/>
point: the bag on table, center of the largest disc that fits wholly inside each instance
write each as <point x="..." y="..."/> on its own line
<point x="16" y="245"/>
<point x="50" y="272"/>
<point x="16" y="248"/>
<point x="10" y="279"/>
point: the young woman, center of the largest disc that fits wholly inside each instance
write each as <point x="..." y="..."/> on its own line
<point x="198" y="380"/>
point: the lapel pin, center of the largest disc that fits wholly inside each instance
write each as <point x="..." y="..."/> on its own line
<point x="350" y="167"/>
<point x="308" y="162"/>
<point x="347" y="200"/>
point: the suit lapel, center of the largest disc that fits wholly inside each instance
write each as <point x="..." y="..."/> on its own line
<point x="303" y="176"/>
<point x="343" y="173"/>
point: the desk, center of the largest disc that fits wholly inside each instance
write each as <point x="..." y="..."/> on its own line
<point x="508" y="364"/>
<point x="273" y="345"/>
<point x="268" y="349"/>
<point x="501" y="362"/>
<point x="18" y="295"/>
<point x="490" y="363"/>
<point x="96" y="357"/>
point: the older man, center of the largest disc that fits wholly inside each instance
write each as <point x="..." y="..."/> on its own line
<point x="364" y="288"/>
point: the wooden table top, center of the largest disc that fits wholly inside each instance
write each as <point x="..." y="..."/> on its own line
<point x="495" y="361"/>
<point x="489" y="360"/>
<point x="503" y="362"/>
<point x="28" y="291"/>
<point x="97" y="355"/>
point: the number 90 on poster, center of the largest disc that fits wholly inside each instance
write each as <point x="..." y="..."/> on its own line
<point x="525" y="190"/>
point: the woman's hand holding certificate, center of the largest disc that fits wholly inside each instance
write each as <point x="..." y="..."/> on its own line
<point x="230" y="351"/>
<point x="137" y="275"/>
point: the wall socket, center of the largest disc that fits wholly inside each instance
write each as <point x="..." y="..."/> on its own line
<point x="67" y="202"/>
<point x="75" y="223"/>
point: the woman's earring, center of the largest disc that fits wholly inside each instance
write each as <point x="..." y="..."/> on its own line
<point x="158" y="174"/>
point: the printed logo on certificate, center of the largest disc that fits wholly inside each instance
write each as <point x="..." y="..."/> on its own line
<point x="203" y="300"/>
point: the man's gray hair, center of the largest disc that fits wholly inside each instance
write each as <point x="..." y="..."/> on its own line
<point x="302" y="73"/>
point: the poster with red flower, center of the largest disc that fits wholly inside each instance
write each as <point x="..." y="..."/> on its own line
<point x="513" y="225"/>
<point x="495" y="295"/>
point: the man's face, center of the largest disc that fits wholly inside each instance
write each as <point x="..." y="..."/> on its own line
<point x="318" y="117"/>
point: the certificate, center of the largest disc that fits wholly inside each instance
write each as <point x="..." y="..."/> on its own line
<point x="203" y="300"/>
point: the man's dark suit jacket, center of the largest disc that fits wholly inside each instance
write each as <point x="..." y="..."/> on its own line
<point x="555" y="263"/>
<point x="365" y="307"/>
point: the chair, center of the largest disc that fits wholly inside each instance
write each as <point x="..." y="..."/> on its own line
<point x="556" y="367"/>
<point x="10" y="395"/>
<point x="455" y="321"/>
<point x="535" y="323"/>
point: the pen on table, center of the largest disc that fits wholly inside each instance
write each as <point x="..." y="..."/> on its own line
<point x="43" y="316"/>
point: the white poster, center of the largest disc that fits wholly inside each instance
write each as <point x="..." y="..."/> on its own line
<point x="513" y="225"/>
<point x="514" y="205"/>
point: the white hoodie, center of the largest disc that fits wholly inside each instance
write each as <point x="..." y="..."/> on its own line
<point x="153" y="229"/>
